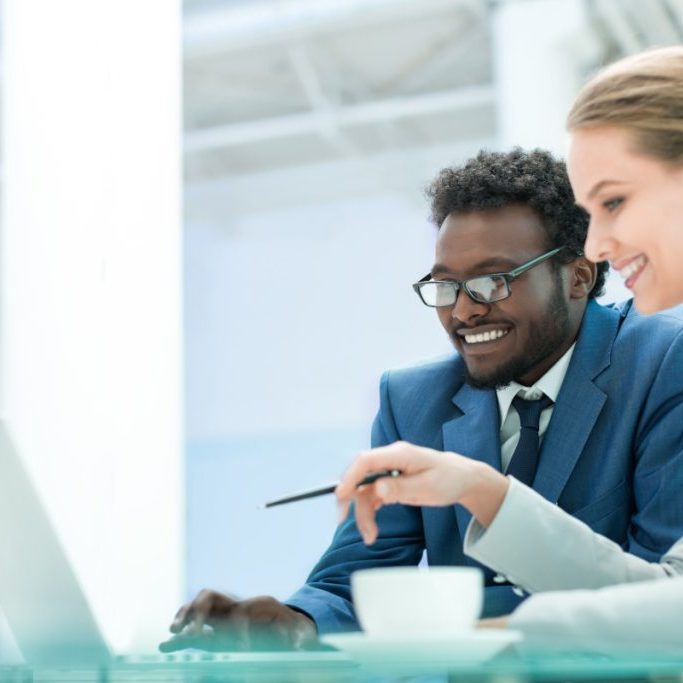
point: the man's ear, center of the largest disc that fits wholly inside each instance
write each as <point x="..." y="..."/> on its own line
<point x="583" y="274"/>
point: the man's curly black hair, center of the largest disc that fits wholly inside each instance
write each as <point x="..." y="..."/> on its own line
<point x="492" y="180"/>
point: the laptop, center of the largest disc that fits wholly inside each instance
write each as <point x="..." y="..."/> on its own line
<point x="45" y="607"/>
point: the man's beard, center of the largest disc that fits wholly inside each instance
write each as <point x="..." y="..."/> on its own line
<point x="544" y="339"/>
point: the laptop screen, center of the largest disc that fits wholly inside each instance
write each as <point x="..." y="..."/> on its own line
<point x="40" y="596"/>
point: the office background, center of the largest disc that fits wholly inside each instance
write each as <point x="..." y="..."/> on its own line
<point x="212" y="215"/>
<point x="311" y="132"/>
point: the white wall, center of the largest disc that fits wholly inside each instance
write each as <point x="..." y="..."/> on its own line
<point x="540" y="47"/>
<point x="298" y="296"/>
<point x="91" y="291"/>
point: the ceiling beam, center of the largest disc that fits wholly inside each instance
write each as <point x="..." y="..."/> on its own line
<point x="233" y="29"/>
<point x="656" y="21"/>
<point x="321" y="105"/>
<point x="341" y="117"/>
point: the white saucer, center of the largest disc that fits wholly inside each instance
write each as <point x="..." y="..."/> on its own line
<point x="463" y="648"/>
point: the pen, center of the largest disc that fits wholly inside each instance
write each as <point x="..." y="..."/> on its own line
<point x="312" y="493"/>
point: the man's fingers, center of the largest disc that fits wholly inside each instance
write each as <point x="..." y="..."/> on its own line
<point x="182" y="641"/>
<point x="240" y="633"/>
<point x="181" y="617"/>
<point x="214" y="621"/>
<point x="171" y="645"/>
<point x="207" y="607"/>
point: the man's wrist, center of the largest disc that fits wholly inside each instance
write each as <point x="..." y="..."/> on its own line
<point x="305" y="618"/>
<point x="486" y="493"/>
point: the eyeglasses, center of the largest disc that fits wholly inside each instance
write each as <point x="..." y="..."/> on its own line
<point x="484" y="289"/>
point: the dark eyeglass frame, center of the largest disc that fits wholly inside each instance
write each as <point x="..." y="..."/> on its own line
<point x="462" y="284"/>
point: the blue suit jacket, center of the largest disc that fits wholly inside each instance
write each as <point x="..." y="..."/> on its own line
<point x="612" y="455"/>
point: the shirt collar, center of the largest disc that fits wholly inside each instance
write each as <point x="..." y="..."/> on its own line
<point x="549" y="385"/>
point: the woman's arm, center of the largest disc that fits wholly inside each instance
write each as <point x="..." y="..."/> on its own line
<point x="643" y="618"/>
<point x="540" y="547"/>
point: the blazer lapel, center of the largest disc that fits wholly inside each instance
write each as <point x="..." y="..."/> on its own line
<point x="475" y="433"/>
<point x="579" y="402"/>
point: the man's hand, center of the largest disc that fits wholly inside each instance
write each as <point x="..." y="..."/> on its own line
<point x="216" y="622"/>
<point x="428" y="477"/>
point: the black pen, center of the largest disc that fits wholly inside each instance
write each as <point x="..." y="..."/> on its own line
<point x="312" y="493"/>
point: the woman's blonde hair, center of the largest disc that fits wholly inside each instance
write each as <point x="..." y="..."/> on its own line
<point x="643" y="94"/>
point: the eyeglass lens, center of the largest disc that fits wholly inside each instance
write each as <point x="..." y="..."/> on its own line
<point x="485" y="289"/>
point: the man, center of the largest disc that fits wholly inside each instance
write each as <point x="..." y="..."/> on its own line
<point x="515" y="294"/>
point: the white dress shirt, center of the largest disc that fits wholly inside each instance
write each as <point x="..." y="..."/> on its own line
<point x="550" y="385"/>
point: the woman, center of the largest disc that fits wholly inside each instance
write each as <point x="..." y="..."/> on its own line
<point x="626" y="168"/>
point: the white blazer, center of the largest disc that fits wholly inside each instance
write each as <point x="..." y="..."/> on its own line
<point x="539" y="547"/>
<point x="644" y="617"/>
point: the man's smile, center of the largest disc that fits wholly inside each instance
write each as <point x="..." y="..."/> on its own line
<point x="482" y="337"/>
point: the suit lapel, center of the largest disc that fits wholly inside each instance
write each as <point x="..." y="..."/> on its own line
<point x="579" y="402"/>
<point x="475" y="433"/>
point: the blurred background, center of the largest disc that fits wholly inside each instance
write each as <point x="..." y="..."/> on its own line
<point x="311" y="130"/>
<point x="212" y="216"/>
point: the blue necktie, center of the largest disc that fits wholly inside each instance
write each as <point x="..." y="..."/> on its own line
<point x="525" y="458"/>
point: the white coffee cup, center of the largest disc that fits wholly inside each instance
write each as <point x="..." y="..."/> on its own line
<point x="417" y="600"/>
